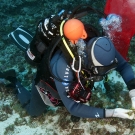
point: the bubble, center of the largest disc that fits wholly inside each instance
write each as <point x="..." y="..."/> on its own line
<point x="111" y="23"/>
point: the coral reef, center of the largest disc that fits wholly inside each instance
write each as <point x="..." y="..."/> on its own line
<point x="54" y="122"/>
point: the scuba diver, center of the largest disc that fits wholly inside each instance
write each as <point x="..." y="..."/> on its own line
<point x="70" y="56"/>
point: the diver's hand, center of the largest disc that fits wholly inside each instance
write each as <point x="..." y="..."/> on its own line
<point x="132" y="96"/>
<point x="123" y="113"/>
<point x="120" y="113"/>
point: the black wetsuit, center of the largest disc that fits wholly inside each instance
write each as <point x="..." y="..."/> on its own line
<point x="35" y="105"/>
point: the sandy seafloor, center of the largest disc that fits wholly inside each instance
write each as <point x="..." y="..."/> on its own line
<point x="13" y="119"/>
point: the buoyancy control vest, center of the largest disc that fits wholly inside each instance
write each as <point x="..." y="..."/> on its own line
<point x="45" y="77"/>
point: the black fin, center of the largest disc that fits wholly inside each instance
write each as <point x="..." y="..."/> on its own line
<point x="21" y="37"/>
<point x="10" y="72"/>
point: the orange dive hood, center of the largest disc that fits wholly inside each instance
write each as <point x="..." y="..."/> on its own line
<point x="74" y="30"/>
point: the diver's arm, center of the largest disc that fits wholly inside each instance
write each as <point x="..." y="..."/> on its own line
<point x="127" y="73"/>
<point x="78" y="109"/>
<point x="85" y="111"/>
<point x="124" y="68"/>
<point x="62" y="70"/>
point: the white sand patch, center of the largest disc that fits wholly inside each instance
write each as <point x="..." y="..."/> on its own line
<point x="110" y="128"/>
<point x="8" y="122"/>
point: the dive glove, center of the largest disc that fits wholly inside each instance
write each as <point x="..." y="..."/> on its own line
<point x="132" y="96"/>
<point x="120" y="113"/>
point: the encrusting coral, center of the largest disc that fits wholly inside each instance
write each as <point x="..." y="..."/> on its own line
<point x="54" y="122"/>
